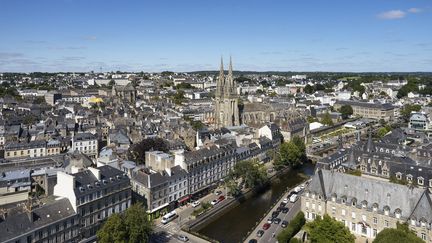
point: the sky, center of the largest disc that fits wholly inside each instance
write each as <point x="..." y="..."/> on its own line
<point x="192" y="35"/>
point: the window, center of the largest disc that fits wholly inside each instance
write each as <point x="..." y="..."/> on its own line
<point x="353" y="215"/>
<point x="386" y="223"/>
<point x="375" y="220"/>
<point x="423" y="236"/>
<point x="343" y="212"/>
<point x="353" y="226"/>
<point x="374" y="232"/>
<point x="420" y="181"/>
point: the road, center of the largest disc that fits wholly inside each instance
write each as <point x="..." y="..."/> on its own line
<point x="294" y="208"/>
<point x="169" y="232"/>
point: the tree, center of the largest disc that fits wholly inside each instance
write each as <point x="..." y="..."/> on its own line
<point x="308" y="89"/>
<point x="137" y="151"/>
<point x="293" y="228"/>
<point x="327" y="120"/>
<point x="327" y="229"/>
<point x="346" y="111"/>
<point x="250" y="172"/>
<point x="111" y="83"/>
<point x="401" y="234"/>
<point x="289" y="155"/>
<point x="383" y="131"/>
<point x="407" y="109"/>
<point x="132" y="226"/>
<point x="113" y="230"/>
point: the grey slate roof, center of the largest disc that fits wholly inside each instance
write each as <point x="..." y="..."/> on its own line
<point x="395" y="196"/>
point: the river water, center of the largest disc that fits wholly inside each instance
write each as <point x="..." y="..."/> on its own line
<point x="235" y="224"/>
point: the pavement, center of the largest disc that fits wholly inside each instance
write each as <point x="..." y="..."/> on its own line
<point x="294" y="208"/>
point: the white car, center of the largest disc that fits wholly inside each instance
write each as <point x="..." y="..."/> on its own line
<point x="293" y="198"/>
<point x="297" y="189"/>
<point x="285" y="200"/>
<point x="214" y="202"/>
<point x="196" y="204"/>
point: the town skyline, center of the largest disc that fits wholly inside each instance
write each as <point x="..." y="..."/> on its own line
<point x="81" y="36"/>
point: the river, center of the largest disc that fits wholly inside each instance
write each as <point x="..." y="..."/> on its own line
<point x="235" y="224"/>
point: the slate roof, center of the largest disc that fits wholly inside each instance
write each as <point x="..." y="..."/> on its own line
<point x="21" y="223"/>
<point x="395" y="196"/>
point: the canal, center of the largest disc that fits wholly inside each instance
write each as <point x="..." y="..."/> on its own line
<point x="235" y="224"/>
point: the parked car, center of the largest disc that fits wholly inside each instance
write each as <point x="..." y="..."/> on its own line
<point x="196" y="204"/>
<point x="183" y="238"/>
<point x="297" y="189"/>
<point x="270" y="220"/>
<point x="260" y="233"/>
<point x="293" y="198"/>
<point x="266" y="226"/>
<point x="253" y="241"/>
<point x="284" y="224"/>
<point x="285" y="200"/>
<point x="282" y="204"/>
<point x="285" y="210"/>
<point x="221" y="198"/>
<point x="275" y="214"/>
<point x="217" y="193"/>
<point x="276" y="220"/>
<point x="214" y="202"/>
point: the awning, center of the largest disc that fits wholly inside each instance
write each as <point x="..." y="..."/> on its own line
<point x="156" y="209"/>
<point x="184" y="198"/>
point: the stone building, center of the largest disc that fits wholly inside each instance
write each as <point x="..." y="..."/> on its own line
<point x="126" y="92"/>
<point x="377" y="111"/>
<point x="226" y="99"/>
<point x="367" y="206"/>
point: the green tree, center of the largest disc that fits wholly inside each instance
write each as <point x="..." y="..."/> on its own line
<point x="290" y="155"/>
<point x="346" y="111"/>
<point x="327" y="120"/>
<point x="383" y="131"/>
<point x="293" y="228"/>
<point x="308" y="89"/>
<point x="137" y="151"/>
<point x="113" y="230"/>
<point x="328" y="230"/>
<point x="251" y="173"/>
<point x="401" y="234"/>
<point x="132" y="226"/>
<point x="111" y="83"/>
<point x="407" y="109"/>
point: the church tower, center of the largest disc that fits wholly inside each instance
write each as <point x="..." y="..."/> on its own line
<point x="226" y="99"/>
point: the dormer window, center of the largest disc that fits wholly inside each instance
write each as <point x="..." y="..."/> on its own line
<point x="398" y="213"/>
<point x="399" y="175"/>
<point x="409" y="178"/>
<point x="420" y="181"/>
<point x="375" y="207"/>
<point x="386" y="210"/>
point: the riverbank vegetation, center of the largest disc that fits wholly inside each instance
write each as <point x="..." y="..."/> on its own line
<point x="293" y="228"/>
<point x="326" y="229"/>
<point x="291" y="154"/>
<point x="205" y="206"/>
<point x="247" y="174"/>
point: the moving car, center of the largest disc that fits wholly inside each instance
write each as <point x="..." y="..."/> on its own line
<point x="168" y="217"/>
<point x="182" y="238"/>
<point x="196" y="204"/>
<point x="266" y="226"/>
<point x="260" y="233"/>
<point x="284" y="224"/>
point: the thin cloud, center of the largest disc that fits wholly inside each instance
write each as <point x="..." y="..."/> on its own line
<point x="392" y="14"/>
<point x="90" y="38"/>
<point x="414" y="10"/>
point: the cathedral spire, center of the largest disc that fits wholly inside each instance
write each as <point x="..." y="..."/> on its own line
<point x="220" y="81"/>
<point x="230" y="71"/>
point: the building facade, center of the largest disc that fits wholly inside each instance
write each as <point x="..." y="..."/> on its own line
<point x="367" y="206"/>
<point x="85" y="143"/>
<point x="368" y="110"/>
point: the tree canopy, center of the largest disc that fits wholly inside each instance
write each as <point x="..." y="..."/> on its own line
<point x="401" y="234"/>
<point x="137" y="151"/>
<point x="132" y="226"/>
<point x="252" y="174"/>
<point x="346" y="111"/>
<point x="293" y="228"/>
<point x="291" y="153"/>
<point x="328" y="230"/>
<point x="327" y="120"/>
<point x="407" y="109"/>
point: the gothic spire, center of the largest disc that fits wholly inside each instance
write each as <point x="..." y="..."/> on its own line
<point x="230" y="71"/>
<point x="220" y="81"/>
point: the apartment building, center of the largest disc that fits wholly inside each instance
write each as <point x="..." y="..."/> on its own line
<point x="86" y="143"/>
<point x="31" y="149"/>
<point x="368" y="110"/>
<point x="366" y="206"/>
<point x="94" y="194"/>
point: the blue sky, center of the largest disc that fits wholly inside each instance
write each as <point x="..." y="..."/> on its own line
<point x="187" y="35"/>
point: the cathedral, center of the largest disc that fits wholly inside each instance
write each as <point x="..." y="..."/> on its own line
<point x="226" y="99"/>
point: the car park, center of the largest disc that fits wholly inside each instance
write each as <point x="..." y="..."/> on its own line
<point x="260" y="233"/>
<point x="284" y="224"/>
<point x="266" y="226"/>
<point x="183" y="238"/>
